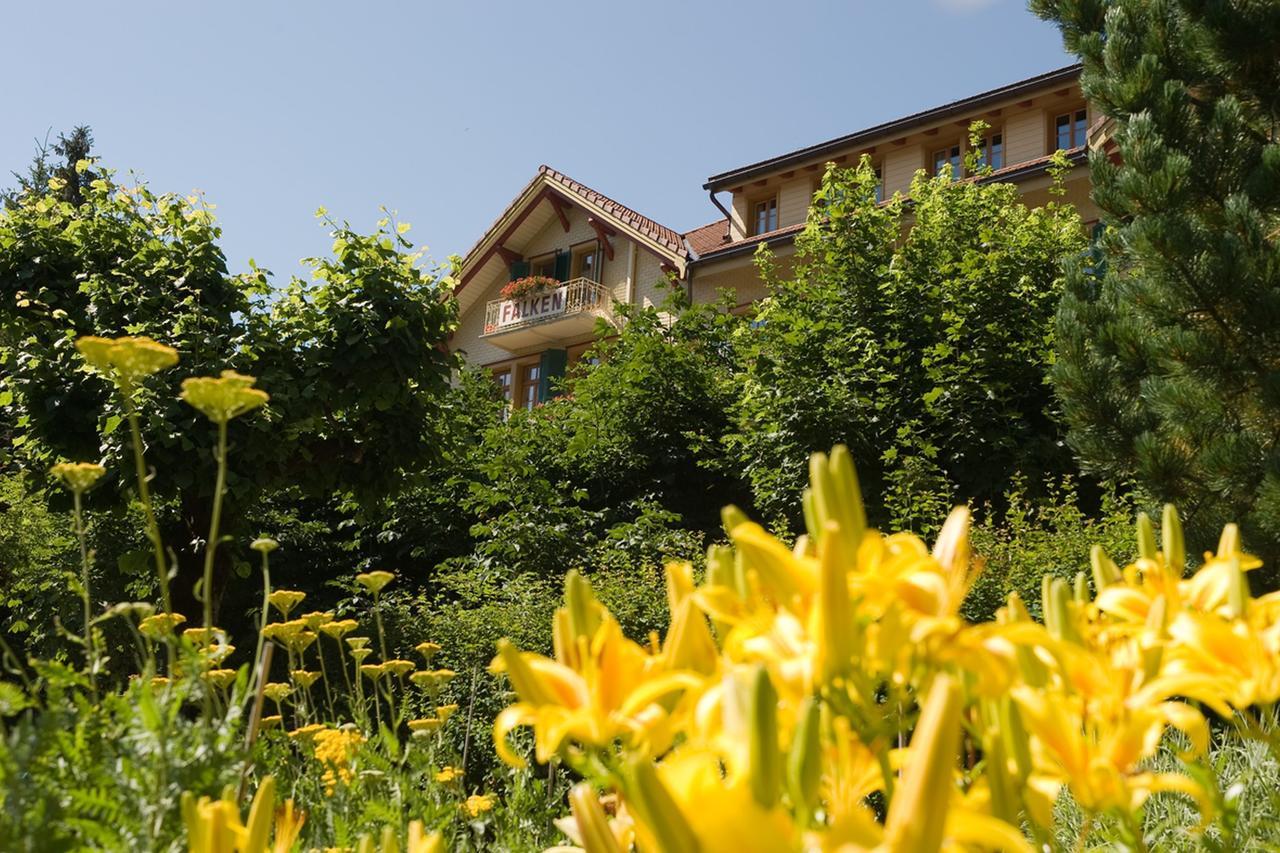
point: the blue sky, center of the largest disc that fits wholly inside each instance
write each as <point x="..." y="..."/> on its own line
<point x="443" y="111"/>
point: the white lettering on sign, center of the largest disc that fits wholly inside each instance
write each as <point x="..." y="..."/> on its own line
<point x="548" y="303"/>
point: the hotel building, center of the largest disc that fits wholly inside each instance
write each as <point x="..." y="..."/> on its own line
<point x="601" y="253"/>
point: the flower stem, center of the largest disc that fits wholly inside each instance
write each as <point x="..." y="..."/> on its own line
<point x="144" y="497"/>
<point x="90" y="656"/>
<point x="211" y="546"/>
<point x="262" y="624"/>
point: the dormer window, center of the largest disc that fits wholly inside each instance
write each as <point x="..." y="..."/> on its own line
<point x="766" y="215"/>
<point x="991" y="151"/>
<point x="1069" y="130"/>
<point x="948" y="159"/>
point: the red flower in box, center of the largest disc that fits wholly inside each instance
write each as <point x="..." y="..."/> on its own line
<point x="529" y="284"/>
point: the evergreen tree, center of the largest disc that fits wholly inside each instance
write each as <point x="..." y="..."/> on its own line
<point x="57" y="161"/>
<point x="1169" y="351"/>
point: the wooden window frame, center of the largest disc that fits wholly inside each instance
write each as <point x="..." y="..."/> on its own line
<point x="992" y="133"/>
<point x="1070" y="115"/>
<point x="577" y="249"/>
<point x="537" y="259"/>
<point x="519" y="368"/>
<point x="957" y="168"/>
<point x="753" y="205"/>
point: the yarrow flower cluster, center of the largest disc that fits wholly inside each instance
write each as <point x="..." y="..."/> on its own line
<point x="800" y="685"/>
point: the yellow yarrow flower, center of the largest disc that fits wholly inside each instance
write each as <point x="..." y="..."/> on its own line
<point x="427" y="650"/>
<point x="339" y="629"/>
<point x="277" y="691"/>
<point x="285" y="600"/>
<point x="126" y="360"/>
<point x="357" y="642"/>
<point x="160" y="625"/>
<point x="398" y="667"/>
<point x="304" y="678"/>
<point x="335" y="749"/>
<point x="78" y="477"/>
<point x="448" y="775"/>
<point x="477" y="804"/>
<point x="374" y="581"/>
<point x="373" y="671"/>
<point x="223" y="398"/>
<point x="221" y="678"/>
<point x="424" y="726"/>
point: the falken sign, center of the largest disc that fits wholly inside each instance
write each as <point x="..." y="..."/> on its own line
<point x="537" y="306"/>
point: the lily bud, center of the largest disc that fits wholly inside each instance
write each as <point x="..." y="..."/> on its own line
<point x="1229" y="542"/>
<point x="1061" y="625"/>
<point x="1105" y="571"/>
<point x="847" y="494"/>
<point x="835" y="612"/>
<point x="1237" y="589"/>
<point x="821" y="488"/>
<point x="914" y="821"/>
<point x="1146" y="537"/>
<point x="811" y="523"/>
<point x="584" y="612"/>
<point x="1080" y="591"/>
<point x="593" y="826"/>
<point x="656" y="808"/>
<point x="689" y="642"/>
<point x="261" y="813"/>
<point x="764" y="757"/>
<point x="804" y="761"/>
<point x="731" y="517"/>
<point x="1175" y="549"/>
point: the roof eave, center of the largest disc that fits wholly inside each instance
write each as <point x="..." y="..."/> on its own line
<point x="803" y="155"/>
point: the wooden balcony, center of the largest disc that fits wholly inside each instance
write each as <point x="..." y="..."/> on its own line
<point x="548" y="316"/>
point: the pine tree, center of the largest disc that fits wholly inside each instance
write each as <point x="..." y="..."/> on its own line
<point x="1169" y="349"/>
<point x="57" y="160"/>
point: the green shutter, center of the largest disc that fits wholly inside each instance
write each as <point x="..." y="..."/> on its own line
<point x="519" y="269"/>
<point x="552" y="369"/>
<point x="562" y="266"/>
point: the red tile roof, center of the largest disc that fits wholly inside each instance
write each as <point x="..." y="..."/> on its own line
<point x="709" y="237"/>
<point x="660" y="234"/>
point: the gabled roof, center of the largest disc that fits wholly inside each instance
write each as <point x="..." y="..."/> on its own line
<point x="901" y="125"/>
<point x="658" y="238"/>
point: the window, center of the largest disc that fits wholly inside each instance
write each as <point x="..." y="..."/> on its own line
<point x="503" y="381"/>
<point x="879" y="186"/>
<point x="948" y="159"/>
<point x="545" y="265"/>
<point x="766" y="215"/>
<point x="586" y="262"/>
<point x="991" y="151"/>
<point x="530" y="374"/>
<point x="1069" y="130"/>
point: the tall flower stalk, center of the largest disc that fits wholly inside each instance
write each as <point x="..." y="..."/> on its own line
<point x="219" y="399"/>
<point x="126" y="362"/>
<point x="78" y="478"/>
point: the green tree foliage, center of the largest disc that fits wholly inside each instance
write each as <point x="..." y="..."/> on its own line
<point x="1169" y="351"/>
<point x="916" y="332"/>
<point x="354" y="358"/>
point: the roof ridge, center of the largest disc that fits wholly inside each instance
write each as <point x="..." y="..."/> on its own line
<point x="663" y="234"/>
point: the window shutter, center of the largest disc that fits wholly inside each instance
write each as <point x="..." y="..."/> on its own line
<point x="519" y="269"/>
<point x="562" y="266"/>
<point x="553" y="364"/>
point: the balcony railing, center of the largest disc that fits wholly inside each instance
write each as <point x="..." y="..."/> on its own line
<point x="580" y="300"/>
